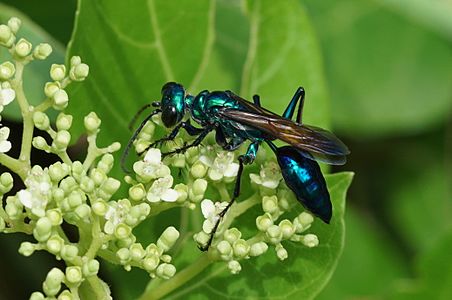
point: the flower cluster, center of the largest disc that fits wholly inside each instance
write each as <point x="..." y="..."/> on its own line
<point x="82" y="193"/>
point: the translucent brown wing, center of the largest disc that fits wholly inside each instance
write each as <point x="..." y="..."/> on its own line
<point x="322" y="144"/>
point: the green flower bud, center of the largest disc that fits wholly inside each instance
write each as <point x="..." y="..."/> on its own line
<point x="75" y="199"/>
<point x="140" y="211"/>
<point x="63" y="121"/>
<point x="6" y="182"/>
<point x="178" y="161"/>
<point x="198" y="170"/>
<point x="57" y="72"/>
<point x="60" y="99"/>
<point x="303" y="221"/>
<point x="90" y="268"/>
<point x="114" y="147"/>
<point x="87" y="184"/>
<point x="83" y="211"/>
<point x="58" y="171"/>
<point x="110" y="185"/>
<point x="69" y="252"/>
<point x="65" y="295"/>
<point x="137" y="252"/>
<point x="122" y="231"/>
<point x="52" y="284"/>
<point x="234" y="266"/>
<point x="124" y="255"/>
<point x="231" y="235"/>
<point x="264" y="222"/>
<point x="68" y="184"/>
<point x="42" y="51"/>
<point x="14" y="23"/>
<point x="55" y="216"/>
<point x="74" y="275"/>
<point x="166" y="271"/>
<point x="79" y="72"/>
<point x="40" y="143"/>
<point x="106" y="163"/>
<point x="166" y="258"/>
<point x="50" y="88"/>
<point x="54" y="244"/>
<point x="41" y="120"/>
<point x="2" y="224"/>
<point x="168" y="238"/>
<point x="7" y="70"/>
<point x="43" y="229"/>
<point x="23" y="48"/>
<point x="13" y="208"/>
<point x="99" y="207"/>
<point x="92" y="123"/>
<point x="137" y="192"/>
<point x="77" y="169"/>
<point x="201" y="238"/>
<point x="151" y="262"/>
<point x="75" y="60"/>
<point x="225" y="250"/>
<point x="182" y="190"/>
<point x="274" y="234"/>
<point x="281" y="252"/>
<point x="27" y="248"/>
<point x="241" y="248"/>
<point x="310" y="240"/>
<point x="62" y="139"/>
<point x="58" y="194"/>
<point x="287" y="229"/>
<point x="97" y="176"/>
<point x="258" y="248"/>
<point x="5" y="35"/>
<point x="270" y="204"/>
<point x="199" y="187"/>
<point x="37" y="296"/>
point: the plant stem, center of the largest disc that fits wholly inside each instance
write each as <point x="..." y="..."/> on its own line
<point x="15" y="165"/>
<point x="158" y="291"/>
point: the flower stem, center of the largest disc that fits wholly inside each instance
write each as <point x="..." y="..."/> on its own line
<point x="158" y="291"/>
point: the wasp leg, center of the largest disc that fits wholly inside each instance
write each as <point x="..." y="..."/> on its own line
<point x="195" y="143"/>
<point x="132" y="139"/>
<point x="243" y="160"/>
<point x="190" y="129"/>
<point x="257" y="100"/>
<point x="233" y="144"/>
<point x="298" y="96"/>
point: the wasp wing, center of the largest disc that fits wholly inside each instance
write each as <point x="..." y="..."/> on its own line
<point x="322" y="144"/>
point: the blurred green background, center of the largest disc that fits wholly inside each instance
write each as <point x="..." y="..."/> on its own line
<point x="388" y="67"/>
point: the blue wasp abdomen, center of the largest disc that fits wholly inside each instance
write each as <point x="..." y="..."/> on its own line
<point x="304" y="178"/>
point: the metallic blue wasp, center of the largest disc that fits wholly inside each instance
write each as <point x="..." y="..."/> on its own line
<point x="235" y="121"/>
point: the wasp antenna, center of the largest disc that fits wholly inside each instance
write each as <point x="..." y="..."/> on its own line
<point x="156" y="104"/>
<point x="133" y="138"/>
<point x="137" y="114"/>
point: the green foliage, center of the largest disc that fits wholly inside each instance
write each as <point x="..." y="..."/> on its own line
<point x="387" y="74"/>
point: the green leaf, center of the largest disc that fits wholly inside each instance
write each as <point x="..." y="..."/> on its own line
<point x="283" y="54"/>
<point x="434" y="15"/>
<point x="302" y="276"/>
<point x="36" y="74"/>
<point x="387" y="74"/>
<point x="369" y="265"/>
<point x="132" y="49"/>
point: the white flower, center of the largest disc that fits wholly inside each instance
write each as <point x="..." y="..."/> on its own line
<point x="5" y="145"/>
<point x="269" y="175"/>
<point x="221" y="166"/>
<point x="161" y="190"/>
<point x="116" y="214"/>
<point x="36" y="195"/>
<point x="211" y="213"/>
<point x="151" y="166"/>
<point x="7" y="95"/>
